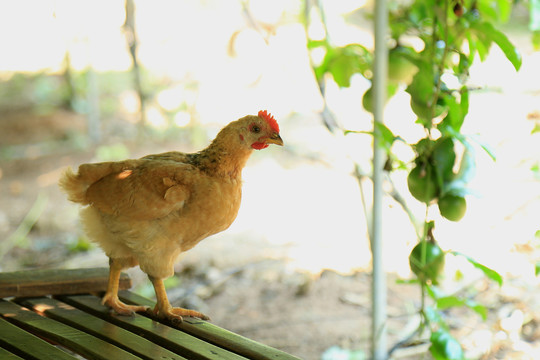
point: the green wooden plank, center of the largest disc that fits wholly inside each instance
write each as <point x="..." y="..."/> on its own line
<point x="101" y="329"/>
<point x="7" y="355"/>
<point x="34" y="283"/>
<point x="73" y="339"/>
<point x="173" y="339"/>
<point x="29" y="346"/>
<point x="218" y="336"/>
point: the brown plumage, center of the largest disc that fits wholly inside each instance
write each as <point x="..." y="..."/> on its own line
<point x="147" y="211"/>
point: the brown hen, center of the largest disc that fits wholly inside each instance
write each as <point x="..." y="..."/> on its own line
<point x="147" y="211"/>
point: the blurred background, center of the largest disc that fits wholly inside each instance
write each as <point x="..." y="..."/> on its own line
<point x="107" y="80"/>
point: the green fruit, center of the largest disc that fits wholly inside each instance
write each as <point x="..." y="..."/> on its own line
<point x="429" y="265"/>
<point x="452" y="207"/>
<point x="422" y="183"/>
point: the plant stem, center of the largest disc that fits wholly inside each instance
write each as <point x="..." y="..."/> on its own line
<point x="440" y="65"/>
<point x="423" y="320"/>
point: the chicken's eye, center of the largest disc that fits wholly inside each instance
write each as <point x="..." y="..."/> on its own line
<point x="255" y="129"/>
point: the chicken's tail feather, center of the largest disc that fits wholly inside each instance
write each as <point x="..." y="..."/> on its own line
<point x="73" y="186"/>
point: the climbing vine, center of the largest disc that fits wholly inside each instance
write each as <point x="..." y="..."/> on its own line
<point x="454" y="34"/>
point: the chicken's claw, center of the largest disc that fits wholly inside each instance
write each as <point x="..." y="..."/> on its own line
<point x="121" y="308"/>
<point x="163" y="308"/>
<point x="176" y="314"/>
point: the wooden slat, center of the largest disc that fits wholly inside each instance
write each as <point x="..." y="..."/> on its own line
<point x="87" y="345"/>
<point x="100" y="328"/>
<point x="7" y="355"/>
<point x="218" y="336"/>
<point x="57" y="281"/>
<point x="172" y="339"/>
<point x="80" y="331"/>
<point x="25" y="344"/>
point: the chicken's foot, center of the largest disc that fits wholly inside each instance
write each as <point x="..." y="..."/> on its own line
<point x="164" y="308"/>
<point x="111" y="296"/>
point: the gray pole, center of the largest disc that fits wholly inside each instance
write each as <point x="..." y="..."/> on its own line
<point x="379" y="351"/>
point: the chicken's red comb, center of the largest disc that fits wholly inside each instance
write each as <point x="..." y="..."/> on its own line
<point x="269" y="119"/>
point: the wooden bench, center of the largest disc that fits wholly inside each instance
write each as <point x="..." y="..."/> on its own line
<point x="57" y="314"/>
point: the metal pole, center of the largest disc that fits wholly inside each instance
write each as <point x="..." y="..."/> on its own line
<point x="379" y="351"/>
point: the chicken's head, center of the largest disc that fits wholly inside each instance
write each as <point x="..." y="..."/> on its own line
<point x="259" y="131"/>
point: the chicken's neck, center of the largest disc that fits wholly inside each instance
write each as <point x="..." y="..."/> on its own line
<point x="221" y="159"/>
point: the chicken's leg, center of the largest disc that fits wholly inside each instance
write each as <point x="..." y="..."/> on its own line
<point x="111" y="296"/>
<point x="163" y="306"/>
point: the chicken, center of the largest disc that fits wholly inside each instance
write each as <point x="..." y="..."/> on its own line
<point x="147" y="211"/>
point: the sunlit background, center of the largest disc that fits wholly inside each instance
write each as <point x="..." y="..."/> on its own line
<point x="206" y="63"/>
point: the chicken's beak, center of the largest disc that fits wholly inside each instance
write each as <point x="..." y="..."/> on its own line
<point x="275" y="139"/>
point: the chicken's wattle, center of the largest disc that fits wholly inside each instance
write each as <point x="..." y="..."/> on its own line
<point x="259" y="145"/>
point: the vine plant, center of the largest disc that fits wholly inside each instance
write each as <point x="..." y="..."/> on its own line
<point x="454" y="34"/>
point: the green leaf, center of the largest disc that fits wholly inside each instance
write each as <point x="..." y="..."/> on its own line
<point x="444" y="346"/>
<point x="343" y="62"/>
<point x="536" y="39"/>
<point x="434" y="292"/>
<point x="422" y="86"/>
<point x="452" y="301"/>
<point x="401" y="64"/>
<point x="471" y="41"/>
<point x="482" y="47"/>
<point x="422" y="89"/>
<point x="313" y="44"/>
<point x="487" y="9"/>
<point x="385" y="136"/>
<point x="407" y="281"/>
<point x="467" y="166"/>
<point x="496" y="10"/>
<point x="535" y="168"/>
<point x="487" y="33"/>
<point x="462" y="68"/>
<point x="478" y="308"/>
<point x="458" y="108"/>
<point x="487" y="148"/>
<point x="367" y="98"/>
<point x="444" y="158"/>
<point x="490" y="273"/>
<point x="512" y="54"/>
<point x="505" y="9"/>
<point x="457" y="185"/>
<point x="537" y="269"/>
<point x="449" y="301"/>
<point x="464" y="93"/>
<point x="342" y="69"/>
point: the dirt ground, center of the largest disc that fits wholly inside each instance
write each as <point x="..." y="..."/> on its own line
<point x="244" y="282"/>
